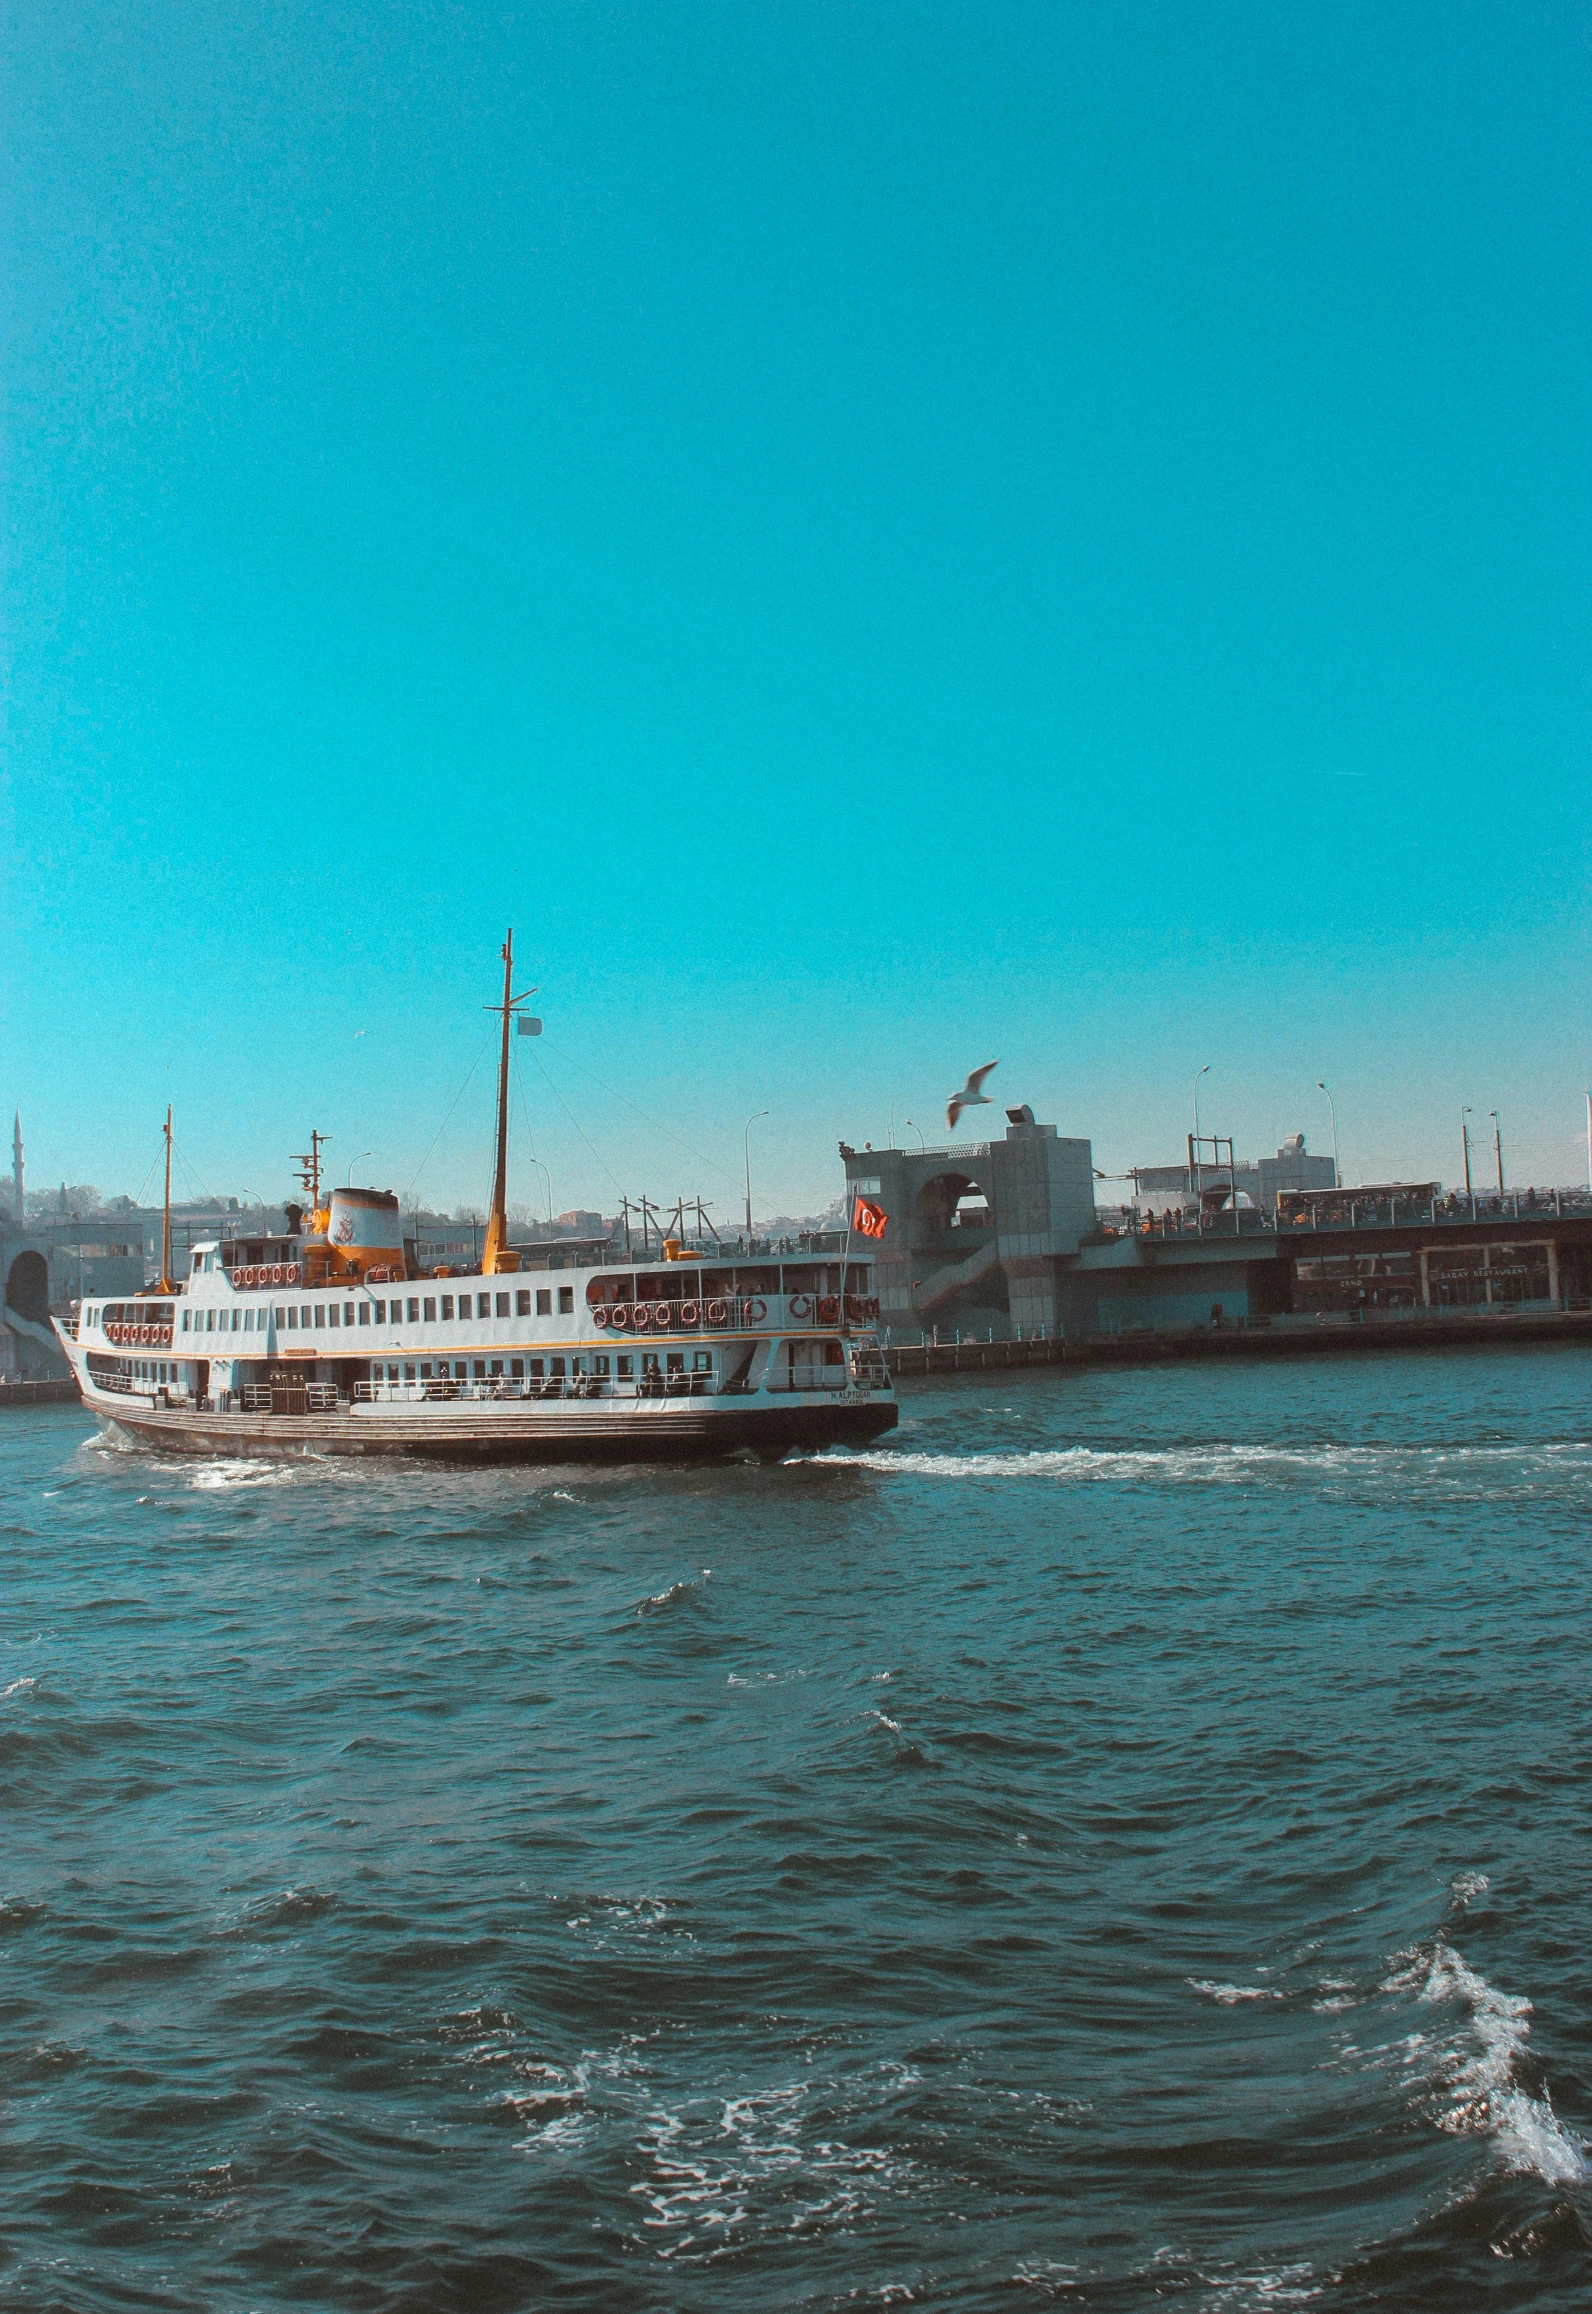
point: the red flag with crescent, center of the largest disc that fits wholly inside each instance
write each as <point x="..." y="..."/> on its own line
<point x="869" y="1219"/>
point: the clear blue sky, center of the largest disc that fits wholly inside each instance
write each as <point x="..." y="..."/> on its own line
<point x="876" y="536"/>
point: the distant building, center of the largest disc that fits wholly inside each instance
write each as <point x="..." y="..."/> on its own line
<point x="1291" y="1169"/>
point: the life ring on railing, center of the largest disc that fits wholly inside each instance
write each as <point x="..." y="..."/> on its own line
<point x="690" y="1315"/>
<point x="801" y="1305"/>
<point x="663" y="1315"/>
<point x="717" y="1313"/>
<point x="619" y="1315"/>
<point x="165" y="1337"/>
<point x="828" y="1310"/>
<point x="278" y="1273"/>
<point x="600" y="1315"/>
<point x="292" y="1273"/>
<point x="641" y="1316"/>
<point x="755" y="1311"/>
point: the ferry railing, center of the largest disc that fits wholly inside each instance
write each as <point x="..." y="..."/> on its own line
<point x="434" y="1391"/>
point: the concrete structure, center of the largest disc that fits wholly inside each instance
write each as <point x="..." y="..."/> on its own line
<point x="976" y="1231"/>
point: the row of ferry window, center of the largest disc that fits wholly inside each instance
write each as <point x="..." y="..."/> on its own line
<point x="416" y="1310"/>
<point x="540" y="1369"/>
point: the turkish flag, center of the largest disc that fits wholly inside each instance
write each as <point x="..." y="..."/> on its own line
<point x="869" y="1219"/>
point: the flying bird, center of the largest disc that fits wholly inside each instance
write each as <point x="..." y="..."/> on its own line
<point x="972" y="1095"/>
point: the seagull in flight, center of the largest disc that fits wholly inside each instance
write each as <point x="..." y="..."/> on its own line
<point x="972" y="1095"/>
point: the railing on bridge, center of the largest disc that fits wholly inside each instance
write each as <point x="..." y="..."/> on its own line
<point x="1348" y="1209"/>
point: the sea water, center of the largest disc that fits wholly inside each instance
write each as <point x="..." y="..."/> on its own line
<point x="1122" y="1841"/>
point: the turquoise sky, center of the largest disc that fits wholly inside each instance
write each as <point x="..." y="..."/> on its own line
<point x="876" y="536"/>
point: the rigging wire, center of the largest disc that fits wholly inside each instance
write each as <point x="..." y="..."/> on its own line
<point x="408" y="1196"/>
<point x="574" y="1120"/>
<point x="658" y="1127"/>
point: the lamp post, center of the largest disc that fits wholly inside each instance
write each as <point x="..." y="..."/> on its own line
<point x="1464" y="1134"/>
<point x="1498" y="1148"/>
<point x="1337" y="1174"/>
<point x="348" y="1177"/>
<point x="918" y="1129"/>
<point x="548" y="1178"/>
<point x="1204" y="1072"/>
<point x="746" y="1152"/>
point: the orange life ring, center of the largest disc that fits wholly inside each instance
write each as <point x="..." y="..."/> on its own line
<point x="278" y="1273"/>
<point x="717" y="1313"/>
<point x="663" y="1315"/>
<point x="292" y="1277"/>
<point x="755" y="1311"/>
<point x="619" y="1315"/>
<point x="828" y="1310"/>
<point x="642" y="1316"/>
<point x="801" y="1305"/>
<point x="600" y="1314"/>
<point x="165" y="1337"/>
<point x="690" y="1315"/>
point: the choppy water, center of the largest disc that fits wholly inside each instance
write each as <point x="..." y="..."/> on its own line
<point x="1124" y="1842"/>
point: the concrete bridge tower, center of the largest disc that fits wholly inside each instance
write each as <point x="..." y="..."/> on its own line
<point x="16" y="1166"/>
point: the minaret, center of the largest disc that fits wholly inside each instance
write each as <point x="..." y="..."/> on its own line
<point x="16" y="1166"/>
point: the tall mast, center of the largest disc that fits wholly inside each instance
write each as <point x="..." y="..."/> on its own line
<point x="165" y="1225"/>
<point x="494" y="1253"/>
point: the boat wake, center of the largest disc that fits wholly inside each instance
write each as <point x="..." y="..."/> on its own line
<point x="1460" y="1470"/>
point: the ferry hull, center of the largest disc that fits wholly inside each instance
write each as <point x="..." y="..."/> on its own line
<point x="567" y="1431"/>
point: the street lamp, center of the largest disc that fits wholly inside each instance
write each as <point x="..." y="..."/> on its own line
<point x="548" y="1178"/>
<point x="918" y="1129"/>
<point x="1337" y="1175"/>
<point x="1464" y="1134"/>
<point x="746" y="1152"/>
<point x="1498" y="1148"/>
<point x="1204" y="1072"/>
<point x="348" y="1177"/>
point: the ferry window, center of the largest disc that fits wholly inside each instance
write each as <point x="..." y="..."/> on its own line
<point x="414" y="1310"/>
<point x="556" y="1367"/>
<point x="677" y="1361"/>
<point x="544" y="1303"/>
<point x="566" y="1301"/>
<point x="447" y="1305"/>
<point x="364" y="1313"/>
<point x="537" y="1369"/>
<point x="496" y="1366"/>
<point x="348" y="1313"/>
<point x="576" y="1366"/>
<point x="649" y="1361"/>
<point x="320" y="1313"/>
<point x="210" y="1321"/>
<point x="425" y="1372"/>
<point x="516" y="1369"/>
<point x="480" y="1370"/>
<point x="409" y="1373"/>
<point x="281" y="1316"/>
<point x="292" y="1314"/>
<point x="185" y="1317"/>
<point x="599" y="1365"/>
<point x="522" y="1305"/>
<point x="430" y="1309"/>
<point x="248" y="1321"/>
<point x="465" y="1306"/>
<point x="702" y="1362"/>
<point x="503" y="1306"/>
<point x="334" y="1315"/>
<point x="381" y="1314"/>
<point x="483" y="1305"/>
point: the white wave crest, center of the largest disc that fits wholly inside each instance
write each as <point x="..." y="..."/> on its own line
<point x="1481" y="2080"/>
<point x="1226" y="1463"/>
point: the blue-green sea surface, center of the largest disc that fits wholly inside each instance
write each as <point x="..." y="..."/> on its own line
<point x="1122" y="1842"/>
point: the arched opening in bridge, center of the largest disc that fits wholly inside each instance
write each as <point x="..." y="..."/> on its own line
<point x="28" y="1288"/>
<point x="953" y="1201"/>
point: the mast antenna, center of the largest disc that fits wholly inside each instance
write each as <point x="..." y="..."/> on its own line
<point x="495" y="1255"/>
<point x="166" y="1286"/>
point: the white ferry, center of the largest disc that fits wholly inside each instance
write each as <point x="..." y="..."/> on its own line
<point x="330" y="1340"/>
